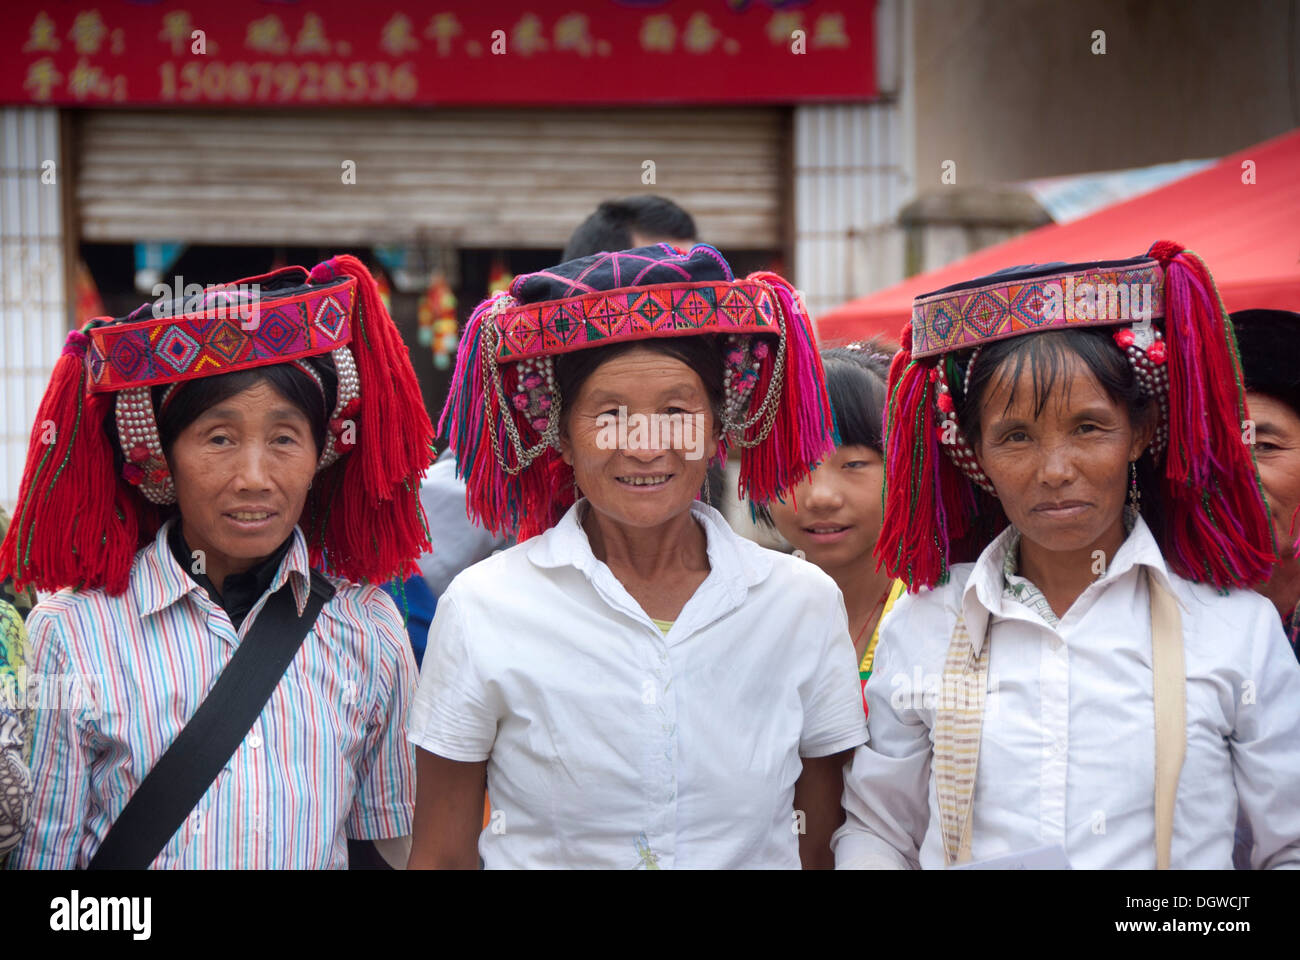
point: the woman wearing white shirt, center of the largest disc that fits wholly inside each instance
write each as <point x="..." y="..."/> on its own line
<point x="1094" y="682"/>
<point x="637" y="686"/>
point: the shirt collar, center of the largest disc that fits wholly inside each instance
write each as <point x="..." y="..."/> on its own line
<point x="983" y="594"/>
<point x="732" y="566"/>
<point x="159" y="581"/>
<point x="566" y="544"/>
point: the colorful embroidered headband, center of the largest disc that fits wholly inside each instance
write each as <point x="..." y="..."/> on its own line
<point x="504" y="410"/>
<point x="1171" y="327"/>
<point x="362" y="519"/>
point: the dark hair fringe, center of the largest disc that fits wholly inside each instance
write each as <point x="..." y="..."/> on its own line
<point x="193" y="397"/>
<point x="1045" y="354"/>
<point x="856" y="377"/>
<point x="701" y="354"/>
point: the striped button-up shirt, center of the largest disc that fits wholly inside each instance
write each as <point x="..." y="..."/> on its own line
<point x="115" y="679"/>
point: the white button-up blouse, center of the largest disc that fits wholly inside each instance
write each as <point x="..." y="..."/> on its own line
<point x="610" y="744"/>
<point x="1068" y="746"/>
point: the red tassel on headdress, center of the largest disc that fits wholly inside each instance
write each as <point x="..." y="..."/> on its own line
<point x="930" y="507"/>
<point x="365" y="516"/>
<point x="802" y="433"/>
<point x="75" y="525"/>
<point x="908" y="546"/>
<point x="1216" y="526"/>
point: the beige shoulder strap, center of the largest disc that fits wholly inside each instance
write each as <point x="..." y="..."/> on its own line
<point x="1169" y="685"/>
<point x="959" y="718"/>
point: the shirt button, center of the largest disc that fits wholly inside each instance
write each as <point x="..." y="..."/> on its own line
<point x="1058" y="747"/>
<point x="254" y="740"/>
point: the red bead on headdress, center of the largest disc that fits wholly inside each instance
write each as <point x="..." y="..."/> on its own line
<point x="1214" y="526"/>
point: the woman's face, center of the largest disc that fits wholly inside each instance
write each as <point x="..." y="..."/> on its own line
<point x="1277" y="453"/>
<point x="649" y="470"/>
<point x="242" y="471"/>
<point x="1062" y="476"/>
<point x="834" y="515"/>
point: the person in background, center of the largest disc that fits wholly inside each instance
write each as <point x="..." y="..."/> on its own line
<point x="15" y="739"/>
<point x="833" y="517"/>
<point x="21" y="600"/>
<point x="1270" y="362"/>
<point x="183" y="517"/>
<point x="637" y="685"/>
<point x="636" y="221"/>
<point x="1075" y="678"/>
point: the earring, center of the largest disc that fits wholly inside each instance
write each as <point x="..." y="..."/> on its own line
<point x="1134" y="494"/>
<point x="704" y="492"/>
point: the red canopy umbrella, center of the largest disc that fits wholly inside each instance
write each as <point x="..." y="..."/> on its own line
<point x="1248" y="234"/>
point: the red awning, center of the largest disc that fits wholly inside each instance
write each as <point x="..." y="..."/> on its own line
<point x="1247" y="234"/>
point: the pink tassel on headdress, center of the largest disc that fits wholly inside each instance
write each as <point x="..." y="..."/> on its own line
<point x="1216" y="528"/>
<point x="465" y="423"/>
<point x="802" y="433"/>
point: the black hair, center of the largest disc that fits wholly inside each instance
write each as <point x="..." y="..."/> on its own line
<point x="611" y="227"/>
<point x="1046" y="356"/>
<point x="193" y="397"/>
<point x="856" y="386"/>
<point x="701" y="354"/>
<point x="1267" y="342"/>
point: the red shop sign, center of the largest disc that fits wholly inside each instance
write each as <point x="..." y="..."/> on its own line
<point x="260" y="53"/>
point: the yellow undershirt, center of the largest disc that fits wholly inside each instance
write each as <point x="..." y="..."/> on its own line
<point x="869" y="654"/>
<point x="664" y="625"/>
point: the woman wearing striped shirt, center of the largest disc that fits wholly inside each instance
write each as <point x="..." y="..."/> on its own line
<point x="237" y="467"/>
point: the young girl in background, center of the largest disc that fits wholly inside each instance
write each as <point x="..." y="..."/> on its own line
<point x="833" y="517"/>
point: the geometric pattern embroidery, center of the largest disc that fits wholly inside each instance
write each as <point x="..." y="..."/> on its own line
<point x="172" y="349"/>
<point x="329" y="317"/>
<point x="963" y="318"/>
<point x="557" y="326"/>
<point x="177" y="349"/>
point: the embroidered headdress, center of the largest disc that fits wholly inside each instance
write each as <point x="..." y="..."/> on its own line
<point x="1183" y="351"/>
<point x="503" y="413"/>
<point x="83" y="512"/>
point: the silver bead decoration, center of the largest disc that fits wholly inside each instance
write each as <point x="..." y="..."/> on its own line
<point x="349" y="389"/>
<point x="958" y="449"/>
<point x="136" y="427"/>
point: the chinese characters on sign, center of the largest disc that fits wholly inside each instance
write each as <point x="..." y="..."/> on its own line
<point x="242" y="52"/>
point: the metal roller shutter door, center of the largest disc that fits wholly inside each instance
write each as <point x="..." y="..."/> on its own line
<point x="469" y="178"/>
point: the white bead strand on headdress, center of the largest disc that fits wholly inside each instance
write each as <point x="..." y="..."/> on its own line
<point x="340" y="433"/>
<point x="1145" y="349"/>
<point x="137" y="431"/>
<point x="541" y="406"/>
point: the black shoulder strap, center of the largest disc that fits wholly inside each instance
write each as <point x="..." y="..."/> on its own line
<point x="187" y="768"/>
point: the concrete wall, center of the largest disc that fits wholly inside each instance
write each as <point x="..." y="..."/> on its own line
<point x="1010" y="89"/>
